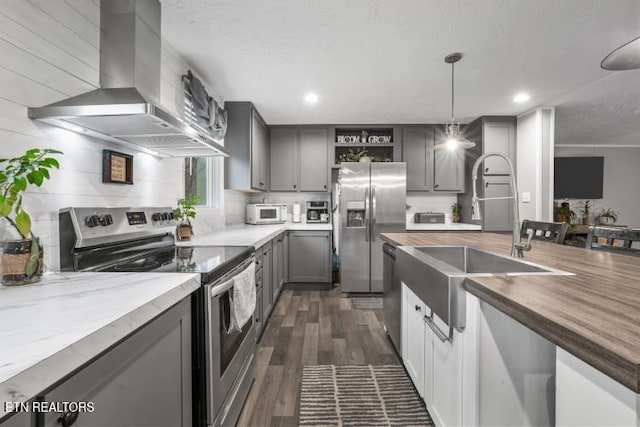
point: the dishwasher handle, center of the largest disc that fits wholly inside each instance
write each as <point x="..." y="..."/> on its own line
<point x="389" y="250"/>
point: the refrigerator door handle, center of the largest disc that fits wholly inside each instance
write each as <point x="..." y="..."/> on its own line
<point x="366" y="215"/>
<point x="373" y="213"/>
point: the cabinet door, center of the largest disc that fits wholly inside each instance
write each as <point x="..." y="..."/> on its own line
<point x="259" y="153"/>
<point x="285" y="258"/>
<point x="497" y="215"/>
<point x="257" y="314"/>
<point x="145" y="380"/>
<point x="314" y="170"/>
<point x="283" y="147"/>
<point x="417" y="153"/>
<point x="414" y="356"/>
<point x="447" y="379"/>
<point x="267" y="278"/>
<point x="275" y="271"/>
<point x="499" y="137"/>
<point x="310" y="256"/>
<point x="20" y="419"/>
<point x="448" y="169"/>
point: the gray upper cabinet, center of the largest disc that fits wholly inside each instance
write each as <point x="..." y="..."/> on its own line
<point x="417" y="153"/>
<point x="498" y="137"/>
<point x="284" y="159"/>
<point x="247" y="141"/>
<point x="448" y="171"/>
<point x="492" y="134"/>
<point x="310" y="256"/>
<point x="314" y="169"/>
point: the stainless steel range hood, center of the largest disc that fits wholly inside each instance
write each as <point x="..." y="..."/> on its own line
<point x="126" y="109"/>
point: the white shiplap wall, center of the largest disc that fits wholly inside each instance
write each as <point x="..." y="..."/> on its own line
<point x="49" y="50"/>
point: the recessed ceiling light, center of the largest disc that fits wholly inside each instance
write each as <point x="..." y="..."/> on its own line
<point x="521" y="97"/>
<point x="311" y="98"/>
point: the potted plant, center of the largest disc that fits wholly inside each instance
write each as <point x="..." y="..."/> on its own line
<point x="184" y="213"/>
<point x="585" y="211"/>
<point x="354" y="156"/>
<point x="456" y="210"/>
<point x="607" y="216"/>
<point x="22" y="259"/>
<point x="562" y="212"/>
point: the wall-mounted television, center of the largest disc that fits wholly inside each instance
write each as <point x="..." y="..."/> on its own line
<point x="578" y="177"/>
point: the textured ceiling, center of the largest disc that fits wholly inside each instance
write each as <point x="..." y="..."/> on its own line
<point x="606" y="112"/>
<point x="381" y="61"/>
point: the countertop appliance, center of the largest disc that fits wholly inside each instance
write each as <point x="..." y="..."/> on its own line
<point x="392" y="297"/>
<point x="317" y="212"/>
<point x="428" y="218"/>
<point x="141" y="240"/>
<point x="266" y="214"/>
<point x="372" y="201"/>
<point x="126" y="108"/>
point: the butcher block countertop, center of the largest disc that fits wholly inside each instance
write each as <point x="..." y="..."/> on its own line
<point x="595" y="315"/>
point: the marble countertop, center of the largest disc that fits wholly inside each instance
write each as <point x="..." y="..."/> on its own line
<point x="411" y="226"/>
<point x="51" y="328"/>
<point x="250" y="235"/>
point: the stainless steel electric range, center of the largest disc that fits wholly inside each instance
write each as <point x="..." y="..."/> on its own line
<point x="142" y="240"/>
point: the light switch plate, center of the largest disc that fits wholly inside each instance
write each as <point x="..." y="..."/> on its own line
<point x="526" y="197"/>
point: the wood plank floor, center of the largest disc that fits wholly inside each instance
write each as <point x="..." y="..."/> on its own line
<point x="309" y="328"/>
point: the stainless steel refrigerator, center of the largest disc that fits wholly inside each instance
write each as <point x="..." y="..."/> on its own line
<point x="372" y="201"/>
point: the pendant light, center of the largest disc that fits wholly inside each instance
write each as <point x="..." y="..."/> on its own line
<point x="626" y="57"/>
<point x="454" y="140"/>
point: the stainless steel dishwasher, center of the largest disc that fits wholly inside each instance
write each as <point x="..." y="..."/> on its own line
<point x="392" y="297"/>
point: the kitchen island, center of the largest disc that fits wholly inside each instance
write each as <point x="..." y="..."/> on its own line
<point x="592" y="317"/>
<point x="52" y="329"/>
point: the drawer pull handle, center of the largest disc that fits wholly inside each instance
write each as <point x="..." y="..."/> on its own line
<point x="68" y="418"/>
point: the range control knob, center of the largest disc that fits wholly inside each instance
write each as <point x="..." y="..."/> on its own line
<point x="166" y="216"/>
<point x="106" y="220"/>
<point x="92" y="221"/>
<point x="171" y="215"/>
<point x="156" y="217"/>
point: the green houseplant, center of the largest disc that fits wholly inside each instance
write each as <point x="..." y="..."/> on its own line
<point x="562" y="212"/>
<point x="607" y="216"/>
<point x="184" y="213"/>
<point x="456" y="211"/>
<point x="22" y="259"/>
<point x="585" y="211"/>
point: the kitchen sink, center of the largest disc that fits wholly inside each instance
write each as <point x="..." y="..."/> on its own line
<point x="436" y="274"/>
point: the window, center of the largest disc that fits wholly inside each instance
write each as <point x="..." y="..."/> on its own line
<point x="203" y="177"/>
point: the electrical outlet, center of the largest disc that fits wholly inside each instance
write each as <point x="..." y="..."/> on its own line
<point x="526" y="197"/>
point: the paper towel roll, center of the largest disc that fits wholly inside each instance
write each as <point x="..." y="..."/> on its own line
<point x="296" y="212"/>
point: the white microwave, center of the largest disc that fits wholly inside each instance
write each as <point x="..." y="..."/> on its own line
<point x="266" y="214"/>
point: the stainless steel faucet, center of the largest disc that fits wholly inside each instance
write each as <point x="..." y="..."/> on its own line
<point x="517" y="246"/>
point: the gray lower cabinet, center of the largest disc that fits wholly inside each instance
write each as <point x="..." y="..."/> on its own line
<point x="417" y="153"/>
<point x="497" y="215"/>
<point x="278" y="265"/>
<point x="314" y="169"/>
<point x="310" y="256"/>
<point x="267" y="280"/>
<point x="20" y="419"/>
<point x="145" y="380"/>
<point x="284" y="159"/>
<point x="258" y="313"/>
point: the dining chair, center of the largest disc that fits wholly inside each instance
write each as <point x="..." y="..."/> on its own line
<point x="614" y="239"/>
<point x="554" y="232"/>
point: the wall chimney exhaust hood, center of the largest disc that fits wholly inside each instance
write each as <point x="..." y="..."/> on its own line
<point x="126" y="109"/>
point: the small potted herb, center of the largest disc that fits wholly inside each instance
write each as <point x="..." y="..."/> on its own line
<point x="456" y="211"/>
<point x="22" y="259"/>
<point x="607" y="216"/>
<point x="184" y="213"/>
<point x="585" y="211"/>
<point x="562" y="212"/>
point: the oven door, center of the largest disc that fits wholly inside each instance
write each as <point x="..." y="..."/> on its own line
<point x="228" y="351"/>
